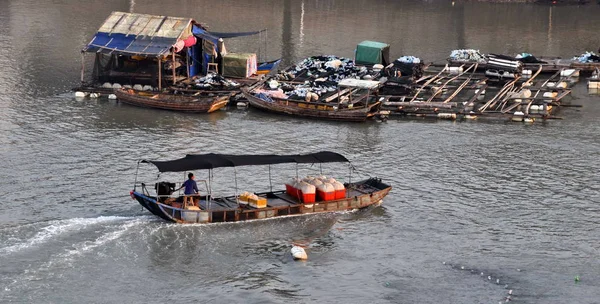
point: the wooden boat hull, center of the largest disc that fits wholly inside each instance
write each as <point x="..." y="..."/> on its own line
<point x="282" y="107"/>
<point x="195" y="104"/>
<point x="369" y="192"/>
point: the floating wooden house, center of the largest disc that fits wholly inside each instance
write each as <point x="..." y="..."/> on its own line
<point x="158" y="51"/>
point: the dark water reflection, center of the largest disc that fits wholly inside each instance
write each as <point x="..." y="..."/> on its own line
<point x="487" y="197"/>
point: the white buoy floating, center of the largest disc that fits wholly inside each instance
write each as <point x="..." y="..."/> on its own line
<point x="94" y="95"/>
<point x="298" y="253"/>
<point x="242" y="104"/>
<point x="510" y="292"/>
<point x="518" y="116"/>
<point x="79" y="94"/>
<point x="112" y="96"/>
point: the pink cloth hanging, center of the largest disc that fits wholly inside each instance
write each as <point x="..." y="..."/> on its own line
<point x="190" y="41"/>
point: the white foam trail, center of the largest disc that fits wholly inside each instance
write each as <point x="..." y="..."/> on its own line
<point x="66" y="258"/>
<point x="103" y="239"/>
<point x="58" y="227"/>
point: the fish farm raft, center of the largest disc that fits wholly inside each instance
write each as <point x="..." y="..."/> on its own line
<point x="176" y="64"/>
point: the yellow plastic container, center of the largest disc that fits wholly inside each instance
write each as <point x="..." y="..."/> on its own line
<point x="261" y="202"/>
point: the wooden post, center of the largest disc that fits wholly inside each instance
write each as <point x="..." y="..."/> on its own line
<point x="187" y="62"/>
<point x="159" y="74"/>
<point x="82" y="66"/>
<point x="174" y="68"/>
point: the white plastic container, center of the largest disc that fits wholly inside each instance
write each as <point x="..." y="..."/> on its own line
<point x="569" y="73"/>
<point x="451" y="116"/>
<point x="518" y="116"/>
<point x="455" y="70"/>
<point x="107" y="85"/>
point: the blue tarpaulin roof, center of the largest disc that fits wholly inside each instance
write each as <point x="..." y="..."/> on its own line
<point x="139" y="34"/>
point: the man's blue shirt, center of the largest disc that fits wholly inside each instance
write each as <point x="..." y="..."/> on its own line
<point x="190" y="187"/>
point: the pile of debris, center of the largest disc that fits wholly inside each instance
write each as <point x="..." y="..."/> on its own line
<point x="401" y="74"/>
<point x="587" y="57"/>
<point x="528" y="58"/>
<point x="329" y="68"/>
<point x="214" y="81"/>
<point x="468" y="55"/>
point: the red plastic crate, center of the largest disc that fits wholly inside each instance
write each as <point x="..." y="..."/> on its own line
<point x="339" y="194"/>
<point x="307" y="198"/>
<point x="289" y="189"/>
<point x="325" y="196"/>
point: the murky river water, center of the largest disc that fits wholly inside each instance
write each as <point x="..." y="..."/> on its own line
<point x="509" y="203"/>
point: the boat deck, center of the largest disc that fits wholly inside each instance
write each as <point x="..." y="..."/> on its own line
<point x="274" y="200"/>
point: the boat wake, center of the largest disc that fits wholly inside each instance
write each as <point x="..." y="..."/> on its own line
<point x="35" y="234"/>
<point x="75" y="238"/>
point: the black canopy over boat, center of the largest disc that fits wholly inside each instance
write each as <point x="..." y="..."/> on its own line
<point x="296" y="199"/>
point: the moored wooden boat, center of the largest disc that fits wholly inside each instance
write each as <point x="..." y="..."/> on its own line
<point x="354" y="102"/>
<point x="200" y="103"/>
<point x="172" y="207"/>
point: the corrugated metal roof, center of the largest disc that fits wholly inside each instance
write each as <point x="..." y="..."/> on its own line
<point x="140" y="34"/>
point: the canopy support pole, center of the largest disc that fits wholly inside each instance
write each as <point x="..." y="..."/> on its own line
<point x="82" y="66"/>
<point x="270" y="183"/>
<point x="159" y="73"/>
<point x="350" y="175"/>
<point x="136" y="175"/>
<point x="296" y="170"/>
<point x="236" y="186"/>
<point x="174" y="79"/>
<point x="209" y="190"/>
<point x="187" y="62"/>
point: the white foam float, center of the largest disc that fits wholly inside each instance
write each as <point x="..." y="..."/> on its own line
<point x="242" y="104"/>
<point x="138" y="87"/>
<point x="298" y="253"/>
<point x="112" y="96"/>
<point x="518" y="116"/>
<point x="528" y="120"/>
<point x="107" y="85"/>
<point x="569" y="73"/>
<point x="116" y="85"/>
<point x="94" y="95"/>
<point x="80" y="94"/>
<point x="147" y="88"/>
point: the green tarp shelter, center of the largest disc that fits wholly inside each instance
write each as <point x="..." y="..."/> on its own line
<point x="239" y="65"/>
<point x="372" y="52"/>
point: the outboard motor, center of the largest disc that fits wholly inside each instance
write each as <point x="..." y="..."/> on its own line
<point x="164" y="189"/>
